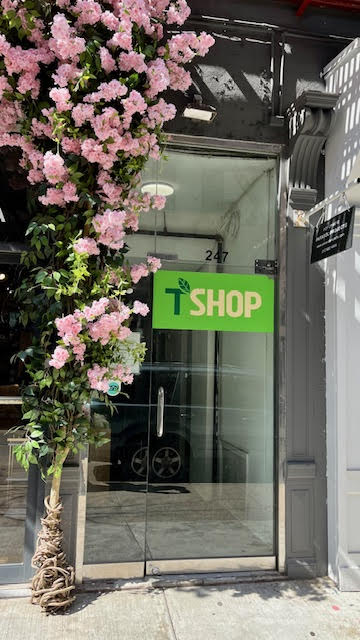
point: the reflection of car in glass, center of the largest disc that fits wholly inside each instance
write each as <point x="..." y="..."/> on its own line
<point x="189" y="421"/>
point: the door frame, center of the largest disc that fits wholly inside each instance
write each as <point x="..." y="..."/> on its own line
<point x="18" y="572"/>
<point x="139" y="569"/>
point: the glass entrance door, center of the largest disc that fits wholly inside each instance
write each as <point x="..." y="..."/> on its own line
<point x="186" y="482"/>
<point x="210" y="492"/>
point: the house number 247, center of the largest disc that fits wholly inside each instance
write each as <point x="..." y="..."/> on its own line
<point x="218" y="256"/>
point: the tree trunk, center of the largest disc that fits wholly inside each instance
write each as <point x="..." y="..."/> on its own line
<point x="54" y="580"/>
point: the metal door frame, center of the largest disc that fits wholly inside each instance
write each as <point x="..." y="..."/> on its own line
<point x="139" y="569"/>
<point x="21" y="572"/>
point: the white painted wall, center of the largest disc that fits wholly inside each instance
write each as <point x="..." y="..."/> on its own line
<point x="343" y="334"/>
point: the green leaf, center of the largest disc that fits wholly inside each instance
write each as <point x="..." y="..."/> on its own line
<point x="184" y="285"/>
<point x="36" y="433"/>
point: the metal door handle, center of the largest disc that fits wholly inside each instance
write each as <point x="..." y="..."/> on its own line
<point x="160" y="413"/>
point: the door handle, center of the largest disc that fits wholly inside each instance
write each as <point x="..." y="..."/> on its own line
<point x="160" y="413"/>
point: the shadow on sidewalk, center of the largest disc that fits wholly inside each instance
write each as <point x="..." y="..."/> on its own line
<point x="315" y="590"/>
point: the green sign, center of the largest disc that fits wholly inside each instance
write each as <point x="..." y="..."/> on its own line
<point x="213" y="301"/>
<point x="114" y="388"/>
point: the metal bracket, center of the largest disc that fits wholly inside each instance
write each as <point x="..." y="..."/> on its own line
<point x="266" y="267"/>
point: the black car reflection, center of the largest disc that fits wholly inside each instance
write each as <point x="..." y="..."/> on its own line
<point x="193" y="415"/>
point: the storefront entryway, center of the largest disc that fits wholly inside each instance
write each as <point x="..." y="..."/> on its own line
<point x="186" y="482"/>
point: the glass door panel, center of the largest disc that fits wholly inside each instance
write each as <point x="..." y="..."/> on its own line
<point x="117" y="474"/>
<point x="17" y="489"/>
<point x="211" y="469"/>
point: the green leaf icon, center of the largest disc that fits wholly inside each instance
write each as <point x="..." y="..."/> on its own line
<point x="184" y="285"/>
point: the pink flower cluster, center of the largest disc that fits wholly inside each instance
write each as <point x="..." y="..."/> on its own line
<point x="59" y="357"/>
<point x="110" y="325"/>
<point x="142" y="270"/>
<point x="100" y="120"/>
<point x="110" y="227"/>
<point x="99" y="377"/>
<point x="140" y="308"/>
<point x="86" y="245"/>
<point x="64" y="43"/>
<point x="54" y="168"/>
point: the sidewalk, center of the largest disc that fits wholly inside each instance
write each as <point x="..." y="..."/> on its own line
<point x="281" y="610"/>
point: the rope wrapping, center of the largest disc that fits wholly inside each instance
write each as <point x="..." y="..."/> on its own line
<point x="54" y="581"/>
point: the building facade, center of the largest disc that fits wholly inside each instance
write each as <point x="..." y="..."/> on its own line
<point x="217" y="460"/>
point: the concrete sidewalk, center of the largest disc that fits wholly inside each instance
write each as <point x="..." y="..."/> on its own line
<point x="281" y="610"/>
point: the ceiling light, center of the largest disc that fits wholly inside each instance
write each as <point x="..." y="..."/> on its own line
<point x="2" y="276"/>
<point x="157" y="188"/>
<point x="199" y="111"/>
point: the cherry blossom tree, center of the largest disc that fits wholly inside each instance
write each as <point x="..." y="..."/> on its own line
<point x="80" y="99"/>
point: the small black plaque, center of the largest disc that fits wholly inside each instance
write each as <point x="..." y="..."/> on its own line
<point x="333" y="236"/>
<point x="266" y="267"/>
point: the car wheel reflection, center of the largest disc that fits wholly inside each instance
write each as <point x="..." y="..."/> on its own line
<point x="139" y="462"/>
<point x="166" y="463"/>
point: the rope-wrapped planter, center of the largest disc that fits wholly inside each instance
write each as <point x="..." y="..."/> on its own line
<point x="54" y="582"/>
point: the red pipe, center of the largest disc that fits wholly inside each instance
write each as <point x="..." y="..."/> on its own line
<point x="350" y="5"/>
<point x="302" y="7"/>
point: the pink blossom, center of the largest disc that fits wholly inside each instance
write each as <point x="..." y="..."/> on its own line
<point x="10" y="115"/>
<point x="28" y="82"/>
<point x="94" y="152"/>
<point x="140" y="308"/>
<point x="60" y="196"/>
<point x="64" y="43"/>
<point x="107" y="61"/>
<point x="79" y="349"/>
<point x="71" y="145"/>
<point x="122" y="39"/>
<point x="110" y="227"/>
<point x="158" y="202"/>
<point x="132" y="221"/>
<point x="54" y="168"/>
<point x="66" y="73"/>
<point x="122" y="374"/>
<point x="81" y="113"/>
<point x="97" y="308"/>
<point x="107" y="124"/>
<point x="40" y="129"/>
<point x="61" y="97"/>
<point x="160" y="113"/>
<point x="132" y="60"/>
<point x="110" y="325"/>
<point x="110" y="21"/>
<point x="97" y="380"/>
<point x="52" y="196"/>
<point x="68" y="327"/>
<point x="180" y="79"/>
<point x="138" y="271"/>
<point x="59" y="357"/>
<point x="69" y="192"/>
<point x="154" y="263"/>
<point x="4" y="86"/>
<point x="158" y="76"/>
<point x="135" y="103"/>
<point x="107" y="91"/>
<point x="87" y="245"/>
<point x="88" y="11"/>
<point x="178" y="12"/>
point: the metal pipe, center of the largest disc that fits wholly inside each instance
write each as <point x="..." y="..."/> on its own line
<point x="263" y="26"/>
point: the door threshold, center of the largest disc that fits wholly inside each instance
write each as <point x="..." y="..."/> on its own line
<point x="170" y="581"/>
<point x="16" y="590"/>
